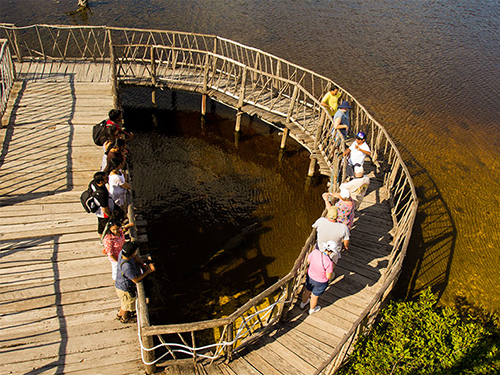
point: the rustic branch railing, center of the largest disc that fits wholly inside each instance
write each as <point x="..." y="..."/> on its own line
<point x="244" y="76"/>
<point x="7" y="74"/>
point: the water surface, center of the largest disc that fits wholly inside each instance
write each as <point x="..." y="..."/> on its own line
<point x="429" y="71"/>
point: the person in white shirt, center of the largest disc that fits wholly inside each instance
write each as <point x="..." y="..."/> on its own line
<point x="357" y="186"/>
<point x="356" y="153"/>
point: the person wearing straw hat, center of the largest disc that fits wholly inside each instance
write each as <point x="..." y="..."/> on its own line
<point x="328" y="229"/>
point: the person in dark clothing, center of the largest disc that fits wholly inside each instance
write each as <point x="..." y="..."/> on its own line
<point x="116" y="121"/>
<point x="101" y="195"/>
<point x="116" y="151"/>
<point x="127" y="276"/>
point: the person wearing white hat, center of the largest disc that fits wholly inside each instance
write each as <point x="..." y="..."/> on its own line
<point x="345" y="208"/>
<point x="332" y="239"/>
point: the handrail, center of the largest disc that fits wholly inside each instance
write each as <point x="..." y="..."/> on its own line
<point x="243" y="76"/>
<point x="7" y="73"/>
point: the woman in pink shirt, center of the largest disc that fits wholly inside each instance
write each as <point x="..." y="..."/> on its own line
<point x="113" y="241"/>
<point x="318" y="275"/>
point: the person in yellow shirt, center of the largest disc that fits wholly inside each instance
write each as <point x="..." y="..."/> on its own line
<point x="331" y="100"/>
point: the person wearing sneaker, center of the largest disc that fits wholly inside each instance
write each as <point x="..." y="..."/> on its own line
<point x="318" y="275"/>
<point x="127" y="276"/>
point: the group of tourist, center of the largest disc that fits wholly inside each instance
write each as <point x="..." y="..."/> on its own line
<point x="333" y="230"/>
<point x="110" y="188"/>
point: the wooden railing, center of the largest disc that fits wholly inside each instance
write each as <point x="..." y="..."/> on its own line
<point x="7" y="74"/>
<point x="244" y="76"/>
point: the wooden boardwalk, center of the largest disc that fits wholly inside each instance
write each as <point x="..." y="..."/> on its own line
<point x="57" y="299"/>
<point x="300" y="345"/>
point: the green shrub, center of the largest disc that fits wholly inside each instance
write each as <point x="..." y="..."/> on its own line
<point x="420" y="338"/>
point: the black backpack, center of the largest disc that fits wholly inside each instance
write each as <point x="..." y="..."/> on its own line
<point x="99" y="133"/>
<point x="89" y="203"/>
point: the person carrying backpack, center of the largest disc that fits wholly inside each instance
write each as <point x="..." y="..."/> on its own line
<point x="101" y="195"/>
<point x="116" y="120"/>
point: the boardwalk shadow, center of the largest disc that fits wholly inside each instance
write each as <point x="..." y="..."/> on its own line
<point x="15" y="323"/>
<point x="430" y="251"/>
<point x="35" y="159"/>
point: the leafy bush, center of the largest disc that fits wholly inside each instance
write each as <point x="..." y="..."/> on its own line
<point x="420" y="338"/>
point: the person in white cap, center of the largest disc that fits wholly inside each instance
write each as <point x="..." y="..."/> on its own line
<point x="356" y="153"/>
<point x="357" y="186"/>
<point x="332" y="239"/>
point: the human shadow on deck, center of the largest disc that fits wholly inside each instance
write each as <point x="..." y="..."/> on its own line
<point x="36" y="156"/>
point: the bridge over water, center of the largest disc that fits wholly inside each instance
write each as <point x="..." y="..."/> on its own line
<point x="57" y="300"/>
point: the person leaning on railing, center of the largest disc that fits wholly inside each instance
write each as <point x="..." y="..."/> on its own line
<point x="331" y="100"/>
<point x="341" y="121"/>
<point x="127" y="276"/>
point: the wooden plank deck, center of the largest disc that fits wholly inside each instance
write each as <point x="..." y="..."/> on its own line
<point x="57" y="300"/>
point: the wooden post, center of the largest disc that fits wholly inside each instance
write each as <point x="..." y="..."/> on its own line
<point x="236" y="138"/>
<point x="203" y="104"/>
<point x="16" y="45"/>
<point x="284" y="137"/>
<point x="241" y="100"/>
<point x="153" y="65"/>
<point x="237" y="127"/>
<point x="289" y="116"/>
<point x="153" y="97"/>
<point x="114" y="79"/>
<point x="288" y="295"/>
<point x="312" y="165"/>
<point x="230" y="337"/>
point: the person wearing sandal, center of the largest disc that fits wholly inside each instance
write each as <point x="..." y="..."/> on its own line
<point x="127" y="276"/>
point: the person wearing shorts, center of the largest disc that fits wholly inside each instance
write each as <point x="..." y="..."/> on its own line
<point x="318" y="275"/>
<point x="127" y="276"/>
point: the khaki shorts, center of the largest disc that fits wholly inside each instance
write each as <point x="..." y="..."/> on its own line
<point x="127" y="302"/>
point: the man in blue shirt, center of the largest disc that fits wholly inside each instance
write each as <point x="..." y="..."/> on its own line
<point x="127" y="276"/>
<point x="341" y="121"/>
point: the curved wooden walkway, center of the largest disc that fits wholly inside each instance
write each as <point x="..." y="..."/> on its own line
<point x="57" y="298"/>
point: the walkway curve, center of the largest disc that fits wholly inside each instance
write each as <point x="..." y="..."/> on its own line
<point x="258" y="83"/>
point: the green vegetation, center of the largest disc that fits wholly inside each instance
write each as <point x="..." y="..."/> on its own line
<point x="420" y="338"/>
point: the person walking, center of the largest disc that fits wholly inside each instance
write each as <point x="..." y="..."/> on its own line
<point x="328" y="229"/>
<point x="319" y="272"/>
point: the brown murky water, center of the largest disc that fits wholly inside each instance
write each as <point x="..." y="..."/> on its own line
<point x="428" y="71"/>
<point x="226" y="216"/>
